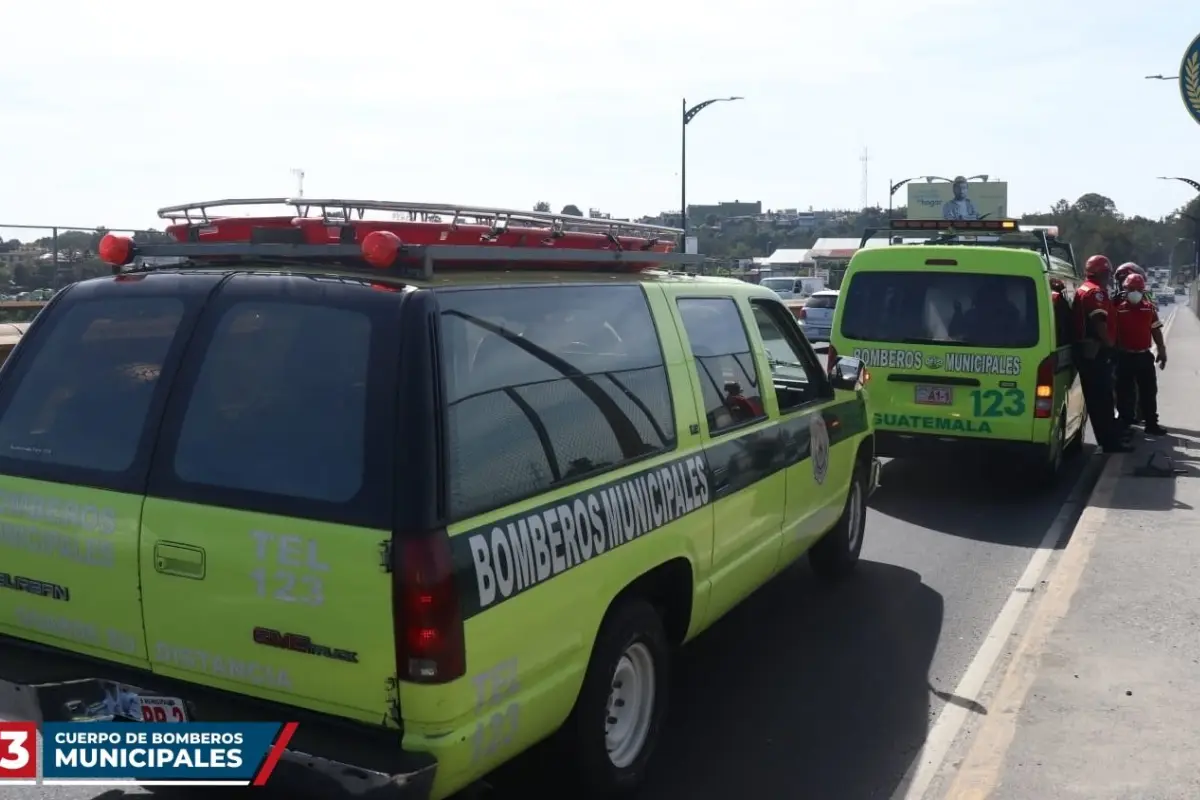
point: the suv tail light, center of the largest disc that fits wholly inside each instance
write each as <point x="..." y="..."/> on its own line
<point x="801" y="312"/>
<point x="1043" y="403"/>
<point x="426" y="611"/>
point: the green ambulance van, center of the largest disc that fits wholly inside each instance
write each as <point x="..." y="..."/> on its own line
<point x="969" y="353"/>
<point x="436" y="502"/>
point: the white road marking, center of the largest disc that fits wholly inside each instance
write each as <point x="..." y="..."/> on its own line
<point x="945" y="729"/>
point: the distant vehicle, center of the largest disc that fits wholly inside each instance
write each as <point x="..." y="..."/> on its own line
<point x="1179" y="290"/>
<point x="791" y="286"/>
<point x="1165" y="299"/>
<point x="816" y="317"/>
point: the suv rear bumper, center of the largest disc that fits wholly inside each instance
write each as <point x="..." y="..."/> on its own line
<point x="327" y="754"/>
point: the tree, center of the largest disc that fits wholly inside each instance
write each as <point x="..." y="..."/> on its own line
<point x="571" y="210"/>
<point x="542" y="206"/>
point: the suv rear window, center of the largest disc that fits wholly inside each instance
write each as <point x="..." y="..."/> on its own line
<point x="546" y="386"/>
<point x="966" y="309"/>
<point x="79" y="400"/>
<point x="821" y="301"/>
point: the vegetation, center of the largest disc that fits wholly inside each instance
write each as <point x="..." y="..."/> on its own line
<point x="1093" y="224"/>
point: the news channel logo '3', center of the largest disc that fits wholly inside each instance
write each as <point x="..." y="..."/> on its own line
<point x="182" y="754"/>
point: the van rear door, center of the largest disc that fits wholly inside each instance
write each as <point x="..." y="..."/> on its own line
<point x="80" y="401"/>
<point x="269" y="513"/>
<point x="952" y="353"/>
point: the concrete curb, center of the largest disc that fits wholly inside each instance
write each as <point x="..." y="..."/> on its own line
<point x="980" y="772"/>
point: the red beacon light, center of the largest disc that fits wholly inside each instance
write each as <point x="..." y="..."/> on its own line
<point x="115" y="250"/>
<point x="380" y="248"/>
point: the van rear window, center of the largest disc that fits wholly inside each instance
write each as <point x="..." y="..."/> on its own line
<point x="966" y="309"/>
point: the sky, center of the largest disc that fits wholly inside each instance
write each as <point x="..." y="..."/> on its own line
<point x="111" y="110"/>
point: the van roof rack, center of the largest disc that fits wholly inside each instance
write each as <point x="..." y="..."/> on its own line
<point x="1042" y="239"/>
<point x="407" y="243"/>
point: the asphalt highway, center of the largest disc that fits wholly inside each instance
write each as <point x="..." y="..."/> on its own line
<point x="808" y="691"/>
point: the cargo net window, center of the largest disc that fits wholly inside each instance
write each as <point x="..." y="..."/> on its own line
<point x="279" y="404"/>
<point x="546" y="386"/>
<point x="965" y="309"/>
<point x="724" y="364"/>
<point x="80" y="398"/>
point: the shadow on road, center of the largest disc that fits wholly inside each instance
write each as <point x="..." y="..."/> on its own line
<point x="988" y="502"/>
<point x="803" y="690"/>
<point x="1154" y="489"/>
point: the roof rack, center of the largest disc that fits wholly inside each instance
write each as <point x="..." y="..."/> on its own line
<point x="979" y="233"/>
<point x="340" y="235"/>
<point x="338" y="210"/>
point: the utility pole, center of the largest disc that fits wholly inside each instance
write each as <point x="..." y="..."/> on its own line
<point x="298" y="174"/>
<point x="865" y="158"/>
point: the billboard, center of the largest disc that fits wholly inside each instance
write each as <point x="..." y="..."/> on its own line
<point x="958" y="200"/>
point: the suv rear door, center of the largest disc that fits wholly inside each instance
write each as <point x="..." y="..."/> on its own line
<point x="269" y="508"/>
<point x="80" y="401"/>
<point x="951" y="352"/>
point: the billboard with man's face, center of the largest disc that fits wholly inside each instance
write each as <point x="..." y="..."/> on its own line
<point x="961" y="199"/>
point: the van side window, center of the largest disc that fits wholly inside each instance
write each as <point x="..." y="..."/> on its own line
<point x="721" y="350"/>
<point x="279" y="403"/>
<point x="78" y="399"/>
<point x="548" y="385"/>
<point x="794" y="371"/>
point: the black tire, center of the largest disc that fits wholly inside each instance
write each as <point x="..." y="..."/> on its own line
<point x="631" y="622"/>
<point x="1054" y="457"/>
<point x="835" y="555"/>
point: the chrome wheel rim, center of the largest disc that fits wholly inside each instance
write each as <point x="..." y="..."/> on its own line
<point x="630" y="705"/>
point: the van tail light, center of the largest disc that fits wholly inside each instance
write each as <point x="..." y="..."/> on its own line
<point x="426" y="611"/>
<point x="1043" y="403"/>
<point x="831" y="358"/>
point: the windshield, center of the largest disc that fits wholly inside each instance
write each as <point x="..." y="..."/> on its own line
<point x="968" y="309"/>
<point x="780" y="284"/>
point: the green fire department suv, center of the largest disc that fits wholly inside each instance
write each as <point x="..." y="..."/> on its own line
<point x="438" y="491"/>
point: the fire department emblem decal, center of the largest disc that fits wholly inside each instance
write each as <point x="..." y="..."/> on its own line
<point x="818" y="436"/>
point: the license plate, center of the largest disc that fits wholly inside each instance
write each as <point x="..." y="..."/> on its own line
<point x="160" y="709"/>
<point x="935" y="395"/>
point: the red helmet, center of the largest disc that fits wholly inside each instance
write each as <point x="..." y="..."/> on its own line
<point x="1097" y="265"/>
<point x="1129" y="267"/>
<point x="1134" y="283"/>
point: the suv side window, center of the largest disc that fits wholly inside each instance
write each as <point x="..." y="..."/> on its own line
<point x="547" y="385"/>
<point x="279" y="405"/>
<point x="797" y="377"/>
<point x="724" y="364"/>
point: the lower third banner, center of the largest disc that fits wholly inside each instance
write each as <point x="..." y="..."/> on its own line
<point x="183" y="753"/>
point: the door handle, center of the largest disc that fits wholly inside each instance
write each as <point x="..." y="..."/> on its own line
<point x="180" y="560"/>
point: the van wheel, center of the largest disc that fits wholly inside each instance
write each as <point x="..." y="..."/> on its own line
<point x="619" y="714"/>
<point x="1075" y="446"/>
<point x="1054" y="455"/>
<point x="835" y="555"/>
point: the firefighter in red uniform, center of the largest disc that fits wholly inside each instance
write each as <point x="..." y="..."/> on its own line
<point x="1095" y="334"/>
<point x="1138" y="326"/>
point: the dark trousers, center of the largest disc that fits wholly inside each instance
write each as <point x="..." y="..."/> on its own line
<point x="1096" y="377"/>
<point x="1137" y="386"/>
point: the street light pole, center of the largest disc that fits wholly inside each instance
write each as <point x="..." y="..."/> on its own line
<point x="892" y="189"/>
<point x="1195" y="224"/>
<point x="688" y="115"/>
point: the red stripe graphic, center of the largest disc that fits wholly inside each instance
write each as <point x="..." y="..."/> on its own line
<point x="281" y="743"/>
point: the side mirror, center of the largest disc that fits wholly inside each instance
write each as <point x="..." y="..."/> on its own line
<point x="848" y="373"/>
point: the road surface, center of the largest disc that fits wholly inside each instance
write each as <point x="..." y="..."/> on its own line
<point x="829" y="693"/>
